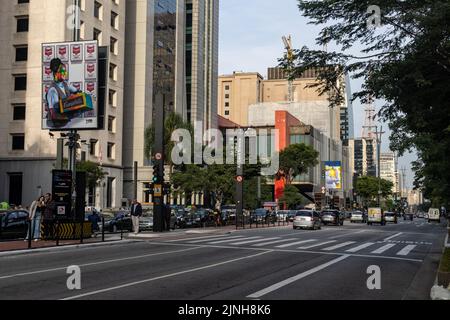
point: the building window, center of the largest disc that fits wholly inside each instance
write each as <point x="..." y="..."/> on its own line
<point x="93" y="147"/>
<point x="18" y="141"/>
<point x="114" y="20"/>
<point x="227" y="88"/>
<point x="20" y="82"/>
<point x="111" y="124"/>
<point x="113" y="47"/>
<point x="227" y="104"/>
<point x="22" y="24"/>
<point x="113" y="71"/>
<point x="98" y="10"/>
<point x="98" y="35"/>
<point x="227" y="96"/>
<point x="19" y="112"/>
<point x="112" y="98"/>
<point x="227" y="113"/>
<point x="21" y="53"/>
<point x="23" y="1"/>
<point x="111" y="150"/>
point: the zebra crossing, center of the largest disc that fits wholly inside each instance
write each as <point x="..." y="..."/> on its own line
<point x="399" y="248"/>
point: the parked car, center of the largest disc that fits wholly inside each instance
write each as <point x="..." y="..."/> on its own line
<point x="307" y="219"/>
<point x="408" y="216"/>
<point x="260" y="216"/>
<point x="391" y="217"/>
<point x="358" y="217"/>
<point x="14" y="224"/>
<point x="291" y="216"/>
<point x="121" y="222"/>
<point x="146" y="223"/>
<point x="282" y="215"/>
<point x="332" y="217"/>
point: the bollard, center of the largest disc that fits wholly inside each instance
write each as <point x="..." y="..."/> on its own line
<point x="81" y="231"/>
<point x="103" y="229"/>
<point x="30" y="232"/>
<point x="57" y="232"/>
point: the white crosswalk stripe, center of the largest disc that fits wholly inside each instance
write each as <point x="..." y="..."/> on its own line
<point x="383" y="249"/>
<point x="318" y="245"/>
<point x="295" y="243"/>
<point x="217" y="238"/>
<point x="225" y="241"/>
<point x="338" y="246"/>
<point x="271" y="242"/>
<point x="252" y="241"/>
<point x="406" y="250"/>
<point x="361" y="247"/>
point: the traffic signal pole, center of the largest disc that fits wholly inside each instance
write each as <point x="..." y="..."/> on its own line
<point x="158" y="166"/>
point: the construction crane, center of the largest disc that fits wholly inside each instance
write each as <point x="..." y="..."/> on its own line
<point x="290" y="67"/>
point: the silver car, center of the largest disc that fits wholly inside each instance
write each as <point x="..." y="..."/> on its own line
<point x="307" y="219"/>
<point x="358" y="217"/>
<point x="146" y="223"/>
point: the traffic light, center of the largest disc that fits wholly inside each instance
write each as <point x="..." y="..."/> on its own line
<point x="158" y="174"/>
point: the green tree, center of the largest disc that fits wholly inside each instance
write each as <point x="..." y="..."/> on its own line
<point x="292" y="197"/>
<point x="297" y="159"/>
<point x="367" y="187"/>
<point x="172" y="122"/>
<point x="94" y="173"/>
<point x="406" y="64"/>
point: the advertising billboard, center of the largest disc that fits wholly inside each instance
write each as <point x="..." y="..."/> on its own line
<point x="70" y="85"/>
<point x="333" y="175"/>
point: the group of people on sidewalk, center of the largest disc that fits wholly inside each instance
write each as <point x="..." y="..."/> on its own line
<point x="41" y="212"/>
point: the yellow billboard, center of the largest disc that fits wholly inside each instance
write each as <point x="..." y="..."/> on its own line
<point x="333" y="175"/>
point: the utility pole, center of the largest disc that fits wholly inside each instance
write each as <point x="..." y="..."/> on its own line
<point x="290" y="69"/>
<point x="379" y="137"/>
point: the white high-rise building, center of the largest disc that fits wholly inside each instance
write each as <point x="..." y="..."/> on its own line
<point x="389" y="169"/>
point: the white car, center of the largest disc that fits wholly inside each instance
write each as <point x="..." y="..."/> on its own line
<point x="307" y="219"/>
<point x="357" y="217"/>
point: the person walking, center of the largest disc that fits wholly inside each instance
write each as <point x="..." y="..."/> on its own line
<point x="136" y="214"/>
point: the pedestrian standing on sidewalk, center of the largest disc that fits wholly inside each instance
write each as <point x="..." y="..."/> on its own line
<point x="35" y="218"/>
<point x="49" y="216"/>
<point x="136" y="214"/>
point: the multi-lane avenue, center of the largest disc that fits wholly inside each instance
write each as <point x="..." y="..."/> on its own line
<point x="266" y="264"/>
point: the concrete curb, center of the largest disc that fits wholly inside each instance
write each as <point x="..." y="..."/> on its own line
<point x="62" y="248"/>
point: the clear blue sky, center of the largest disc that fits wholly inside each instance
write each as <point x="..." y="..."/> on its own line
<point x="250" y="40"/>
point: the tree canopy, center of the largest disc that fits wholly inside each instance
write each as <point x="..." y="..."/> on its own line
<point x="367" y="187"/>
<point x="297" y="159"/>
<point x="405" y="62"/>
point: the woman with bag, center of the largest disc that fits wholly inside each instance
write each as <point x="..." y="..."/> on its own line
<point x="35" y="218"/>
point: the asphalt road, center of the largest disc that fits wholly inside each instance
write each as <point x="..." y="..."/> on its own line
<point x="266" y="264"/>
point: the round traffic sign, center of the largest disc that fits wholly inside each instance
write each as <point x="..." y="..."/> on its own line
<point x="158" y="156"/>
<point x="239" y="178"/>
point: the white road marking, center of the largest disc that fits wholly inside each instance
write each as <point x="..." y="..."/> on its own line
<point x="317" y="245"/>
<point x="95" y="263"/>
<point x="216" y="239"/>
<point x="394" y="236"/>
<point x="295" y="243"/>
<point x="225" y="241"/>
<point x="252" y="241"/>
<point x="345" y="244"/>
<point x="288" y="281"/>
<point x="406" y="250"/>
<point x="165" y="276"/>
<point x="347" y="234"/>
<point x="383" y="249"/>
<point x="271" y="242"/>
<point x="198" y="238"/>
<point x="361" y="247"/>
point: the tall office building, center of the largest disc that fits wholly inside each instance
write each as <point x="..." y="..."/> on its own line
<point x="389" y="170"/>
<point x="171" y="59"/>
<point x="28" y="153"/>
<point x="202" y="60"/>
<point x="365" y="156"/>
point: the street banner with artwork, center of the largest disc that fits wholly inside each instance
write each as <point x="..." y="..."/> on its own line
<point x="70" y="85"/>
<point x="333" y="175"/>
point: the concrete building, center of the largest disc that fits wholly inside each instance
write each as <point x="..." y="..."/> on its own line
<point x="389" y="170"/>
<point x="236" y="93"/>
<point x="27" y="153"/>
<point x="365" y="156"/>
<point x="247" y="91"/>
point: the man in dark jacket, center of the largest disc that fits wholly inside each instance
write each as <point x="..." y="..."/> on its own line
<point x="136" y="214"/>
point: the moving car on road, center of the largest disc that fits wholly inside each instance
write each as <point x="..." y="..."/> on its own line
<point x="391" y="217"/>
<point x="307" y="219"/>
<point x="333" y="217"/>
<point x="375" y="215"/>
<point x="358" y="217"/>
<point x="434" y="215"/>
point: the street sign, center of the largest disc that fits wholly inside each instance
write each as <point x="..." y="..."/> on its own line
<point x="61" y="210"/>
<point x="158" y="156"/>
<point x="157" y="191"/>
<point x="239" y="179"/>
